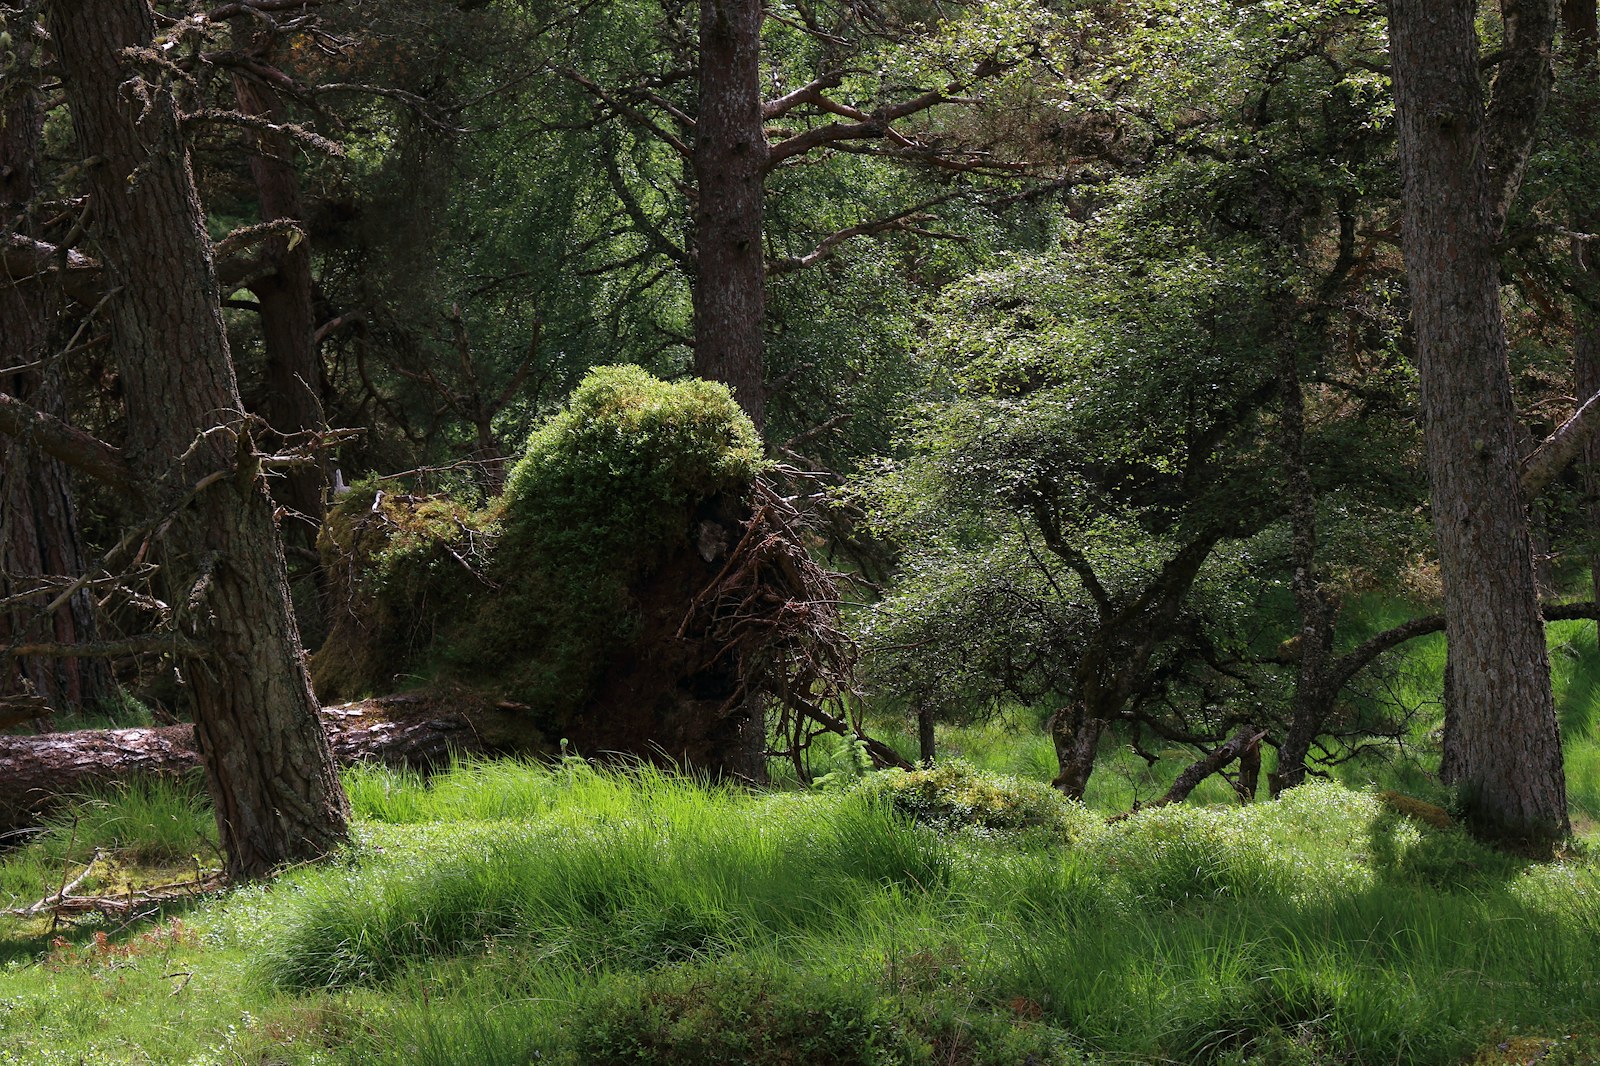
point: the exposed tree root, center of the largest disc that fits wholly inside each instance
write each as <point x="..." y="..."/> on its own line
<point x="774" y="612"/>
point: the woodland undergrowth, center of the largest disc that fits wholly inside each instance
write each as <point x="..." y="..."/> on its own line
<point x="512" y="913"/>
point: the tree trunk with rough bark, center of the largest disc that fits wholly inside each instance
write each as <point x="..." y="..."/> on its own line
<point x="730" y="161"/>
<point x="269" y="768"/>
<point x="1502" y="745"/>
<point x="1582" y="30"/>
<point x="730" y="267"/>
<point x="1315" y="640"/>
<point x="293" y="400"/>
<point x="39" y="535"/>
<point x="1075" y="732"/>
<point x="927" y="741"/>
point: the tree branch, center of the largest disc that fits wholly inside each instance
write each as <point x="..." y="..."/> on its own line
<point x="142" y="644"/>
<point x="872" y="127"/>
<point x="610" y="100"/>
<point x="1235" y="747"/>
<point x="806" y="94"/>
<point x="1560" y="448"/>
<point x="1362" y="655"/>
<point x="1517" y="97"/>
<point x="643" y="223"/>
<point x="68" y="443"/>
<point x="22" y="258"/>
<point x="899" y="221"/>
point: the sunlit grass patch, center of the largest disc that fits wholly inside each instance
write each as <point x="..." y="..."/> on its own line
<point x="515" y="913"/>
<point x="160" y="825"/>
<point x="638" y="869"/>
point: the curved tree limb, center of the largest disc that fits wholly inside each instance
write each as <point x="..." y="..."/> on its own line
<point x="66" y="442"/>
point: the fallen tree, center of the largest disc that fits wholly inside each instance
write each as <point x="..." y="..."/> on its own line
<point x="640" y="591"/>
<point x="416" y="730"/>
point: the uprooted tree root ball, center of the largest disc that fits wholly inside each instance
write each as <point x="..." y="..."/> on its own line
<point x="775" y="612"/>
<point x="638" y="589"/>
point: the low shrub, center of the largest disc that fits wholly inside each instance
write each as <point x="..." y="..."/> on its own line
<point x="954" y="795"/>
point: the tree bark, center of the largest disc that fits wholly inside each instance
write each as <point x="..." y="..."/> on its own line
<point x="293" y="401"/>
<point x="730" y="159"/>
<point x="927" y="742"/>
<point x="1502" y="744"/>
<point x="1582" y="30"/>
<point x="39" y="534"/>
<point x="1075" y="732"/>
<point x="418" y="732"/>
<point x="268" y="765"/>
<point x="1316" y="613"/>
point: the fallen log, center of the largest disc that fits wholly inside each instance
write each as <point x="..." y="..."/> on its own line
<point x="421" y="731"/>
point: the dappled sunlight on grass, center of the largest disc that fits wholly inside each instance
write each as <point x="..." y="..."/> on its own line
<point x="508" y="913"/>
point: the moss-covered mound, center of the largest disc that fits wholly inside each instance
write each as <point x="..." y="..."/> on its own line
<point x="635" y="474"/>
<point x="955" y="795"/>
<point x="402" y="573"/>
<point x="566" y="593"/>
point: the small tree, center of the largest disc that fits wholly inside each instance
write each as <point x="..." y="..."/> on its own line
<point x="1070" y="496"/>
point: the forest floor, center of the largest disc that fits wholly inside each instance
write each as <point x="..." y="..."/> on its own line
<point x="506" y="913"/>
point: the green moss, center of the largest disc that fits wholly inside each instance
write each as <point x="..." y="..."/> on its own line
<point x="621" y="469"/>
<point x="404" y="570"/>
<point x="606" y="491"/>
<point x="534" y="594"/>
<point x="954" y="795"/>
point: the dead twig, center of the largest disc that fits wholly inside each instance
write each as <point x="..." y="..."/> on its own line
<point x="65" y="901"/>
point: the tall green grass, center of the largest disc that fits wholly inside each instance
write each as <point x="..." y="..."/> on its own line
<point x="641" y="869"/>
<point x="507" y="913"/>
<point x="665" y="921"/>
<point x="142" y="821"/>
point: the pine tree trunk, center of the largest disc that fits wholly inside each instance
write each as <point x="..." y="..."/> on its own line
<point x="268" y="765"/>
<point x="293" y="402"/>
<point x="39" y="534"/>
<point x="1503" y="746"/>
<point x="730" y="158"/>
<point x="1582" y="31"/>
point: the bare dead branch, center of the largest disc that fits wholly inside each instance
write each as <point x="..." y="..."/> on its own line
<point x="142" y="644"/>
<point x="903" y="221"/>
<point x="1560" y="448"/>
<point x="61" y="440"/>
<point x="297" y="133"/>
